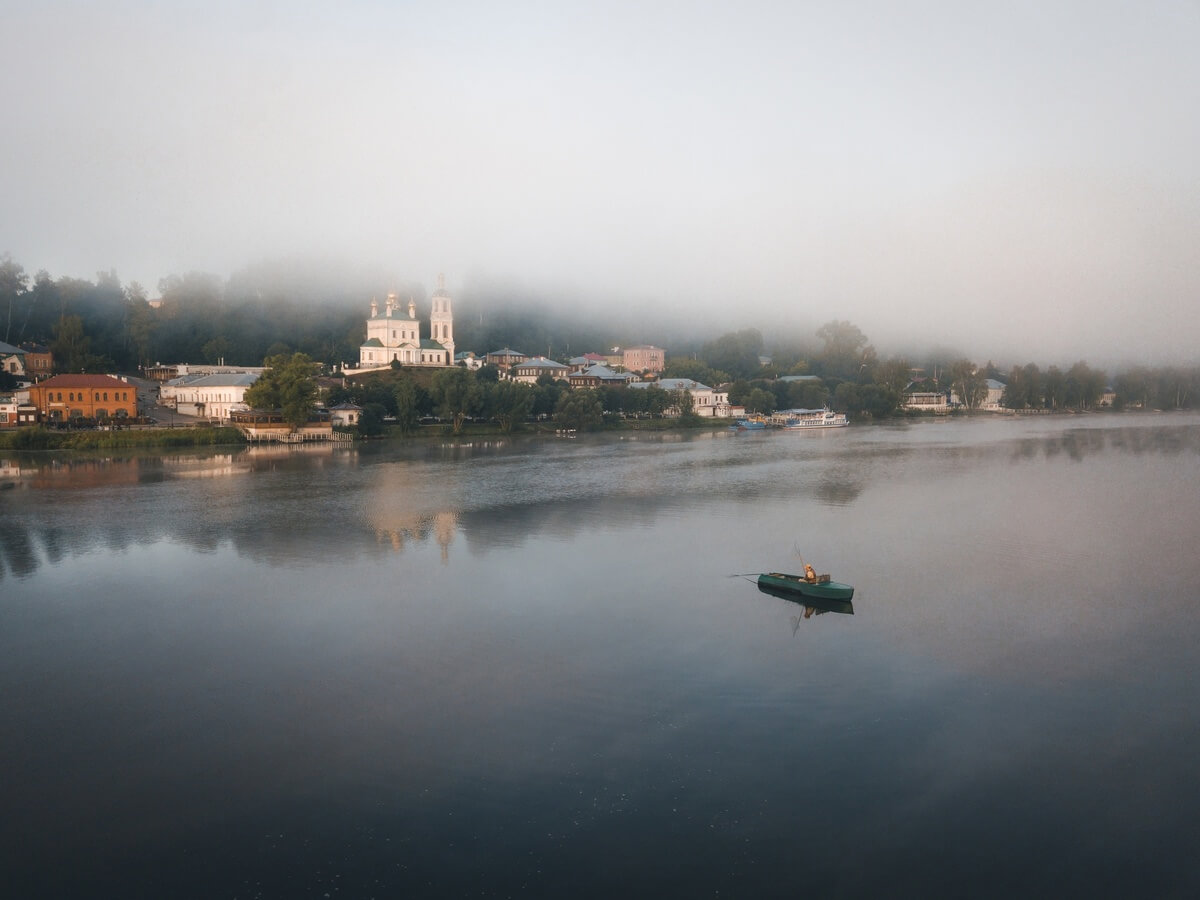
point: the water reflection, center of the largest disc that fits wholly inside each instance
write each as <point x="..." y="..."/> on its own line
<point x="812" y="605"/>
<point x="302" y="503"/>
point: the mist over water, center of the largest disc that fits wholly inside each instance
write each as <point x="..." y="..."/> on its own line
<point x="522" y="666"/>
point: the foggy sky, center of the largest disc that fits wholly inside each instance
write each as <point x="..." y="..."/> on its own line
<point x="1011" y="178"/>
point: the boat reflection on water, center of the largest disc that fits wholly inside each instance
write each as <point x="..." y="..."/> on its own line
<point x="812" y="605"/>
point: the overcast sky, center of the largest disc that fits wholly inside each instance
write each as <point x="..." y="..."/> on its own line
<point x="1017" y="179"/>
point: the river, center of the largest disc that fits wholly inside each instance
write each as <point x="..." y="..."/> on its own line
<point x="524" y="667"/>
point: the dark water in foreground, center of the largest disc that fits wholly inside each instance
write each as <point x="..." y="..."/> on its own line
<point x="521" y="668"/>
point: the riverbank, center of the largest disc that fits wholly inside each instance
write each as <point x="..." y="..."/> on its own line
<point x="38" y="438"/>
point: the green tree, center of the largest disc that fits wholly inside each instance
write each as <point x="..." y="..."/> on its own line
<point x="968" y="382"/>
<point x="216" y="350"/>
<point x="407" y="399"/>
<point x="805" y="395"/>
<point x="72" y="348"/>
<point x="1135" y="388"/>
<point x="685" y="367"/>
<point x="1024" y="388"/>
<point x="894" y="374"/>
<point x="456" y="395"/>
<point x="656" y="401"/>
<point x="736" y="353"/>
<point x="13" y="281"/>
<point x="370" y="423"/>
<point x="759" y="401"/>
<point x="546" y="394"/>
<point x="1054" y="388"/>
<point x="1082" y="386"/>
<point x="846" y="353"/>
<point x="509" y="403"/>
<point x="580" y="409"/>
<point x="682" y="401"/>
<point x="288" y="385"/>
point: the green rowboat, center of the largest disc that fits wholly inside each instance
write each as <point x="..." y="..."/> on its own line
<point x="821" y="589"/>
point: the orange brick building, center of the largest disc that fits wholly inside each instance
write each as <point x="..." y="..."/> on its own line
<point x="66" y="397"/>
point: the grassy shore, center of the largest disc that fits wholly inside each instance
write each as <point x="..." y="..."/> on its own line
<point x="38" y="438"/>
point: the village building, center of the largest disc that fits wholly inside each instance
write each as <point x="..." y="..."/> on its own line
<point x="345" y="414"/>
<point x="12" y="360"/>
<point x="39" y="361"/>
<point x="994" y="393"/>
<point x="598" y="375"/>
<point x="8" y="411"/>
<point x="505" y="359"/>
<point x="531" y="370"/>
<point x="706" y="401"/>
<point x="161" y="372"/>
<point x="393" y="337"/>
<point x="269" y="426"/>
<point x="927" y="401"/>
<point x="644" y="358"/>
<point x="208" y="396"/>
<point x="579" y="363"/>
<point x="65" y="397"/>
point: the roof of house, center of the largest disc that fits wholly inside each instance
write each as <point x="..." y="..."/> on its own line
<point x="604" y="373"/>
<point x="507" y="352"/>
<point x="673" y="384"/>
<point x="82" y="381"/>
<point x="345" y="405"/>
<point x="540" y="362"/>
<point x="791" y="378"/>
<point x="10" y="350"/>
<point x="221" y="379"/>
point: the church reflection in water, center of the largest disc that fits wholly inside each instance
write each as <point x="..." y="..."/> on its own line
<point x="404" y="508"/>
<point x="399" y="528"/>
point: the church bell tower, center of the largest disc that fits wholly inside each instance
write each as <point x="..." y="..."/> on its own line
<point x="441" y="319"/>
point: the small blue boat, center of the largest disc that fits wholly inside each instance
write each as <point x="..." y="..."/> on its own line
<point x="748" y="425"/>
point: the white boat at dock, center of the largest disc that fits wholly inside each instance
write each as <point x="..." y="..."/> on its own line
<point x="795" y="419"/>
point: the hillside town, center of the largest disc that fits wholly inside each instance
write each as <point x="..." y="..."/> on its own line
<point x="364" y="396"/>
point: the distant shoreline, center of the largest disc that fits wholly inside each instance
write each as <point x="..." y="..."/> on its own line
<point x="39" y="439"/>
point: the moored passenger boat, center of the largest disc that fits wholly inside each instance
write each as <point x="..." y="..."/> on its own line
<point x="808" y="418"/>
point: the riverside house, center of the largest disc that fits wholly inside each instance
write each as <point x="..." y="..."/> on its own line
<point x="66" y="397"/>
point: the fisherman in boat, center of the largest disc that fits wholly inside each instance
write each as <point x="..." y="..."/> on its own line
<point x="810" y="574"/>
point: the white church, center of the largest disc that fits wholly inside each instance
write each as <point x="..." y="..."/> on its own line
<point x="393" y="336"/>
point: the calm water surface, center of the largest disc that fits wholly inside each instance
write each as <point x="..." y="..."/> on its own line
<point x="521" y="667"/>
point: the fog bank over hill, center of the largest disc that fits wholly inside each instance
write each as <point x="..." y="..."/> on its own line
<point x="1014" y="180"/>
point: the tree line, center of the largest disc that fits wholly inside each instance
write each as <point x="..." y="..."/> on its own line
<point x="261" y="312"/>
<point x="409" y="396"/>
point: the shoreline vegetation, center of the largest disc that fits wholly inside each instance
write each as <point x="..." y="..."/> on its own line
<point x="39" y="438"/>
